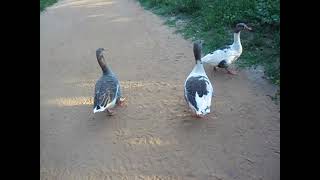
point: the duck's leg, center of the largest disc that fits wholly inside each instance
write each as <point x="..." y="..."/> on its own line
<point x="194" y="115"/>
<point x="110" y="112"/>
<point x="215" y="68"/>
<point x="121" y="101"/>
<point x="197" y="116"/>
<point x="230" y="72"/>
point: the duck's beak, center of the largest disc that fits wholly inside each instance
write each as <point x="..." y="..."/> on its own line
<point x="104" y="51"/>
<point x="248" y="28"/>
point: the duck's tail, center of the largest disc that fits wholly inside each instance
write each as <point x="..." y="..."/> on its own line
<point x="98" y="109"/>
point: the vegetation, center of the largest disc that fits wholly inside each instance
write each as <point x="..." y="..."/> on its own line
<point x="214" y="20"/>
<point x="46" y="3"/>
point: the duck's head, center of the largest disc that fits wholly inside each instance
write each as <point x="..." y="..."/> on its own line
<point x="197" y="47"/>
<point x="100" y="53"/>
<point x="241" y="27"/>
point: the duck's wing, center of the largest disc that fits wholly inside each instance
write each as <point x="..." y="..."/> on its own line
<point x="106" y="92"/>
<point x="216" y="56"/>
<point x="204" y="102"/>
<point x="198" y="93"/>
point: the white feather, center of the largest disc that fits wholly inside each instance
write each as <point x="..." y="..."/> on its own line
<point x="110" y="105"/>
<point x="204" y="101"/>
<point x="230" y="54"/>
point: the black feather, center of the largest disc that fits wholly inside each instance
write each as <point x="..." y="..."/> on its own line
<point x="196" y="85"/>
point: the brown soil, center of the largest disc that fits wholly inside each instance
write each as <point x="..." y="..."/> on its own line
<point x="154" y="135"/>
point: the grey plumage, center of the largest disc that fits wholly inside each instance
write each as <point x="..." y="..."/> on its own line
<point x="198" y="90"/>
<point x="107" y="88"/>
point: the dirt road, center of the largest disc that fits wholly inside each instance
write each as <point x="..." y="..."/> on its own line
<point x="154" y="136"/>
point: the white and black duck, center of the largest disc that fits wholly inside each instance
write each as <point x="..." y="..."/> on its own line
<point x="223" y="57"/>
<point x="198" y="90"/>
<point x="107" y="89"/>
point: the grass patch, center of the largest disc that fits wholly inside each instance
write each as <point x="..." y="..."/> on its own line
<point x="214" y="20"/>
<point x="46" y="3"/>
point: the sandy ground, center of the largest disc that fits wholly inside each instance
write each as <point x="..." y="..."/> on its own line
<point x="153" y="136"/>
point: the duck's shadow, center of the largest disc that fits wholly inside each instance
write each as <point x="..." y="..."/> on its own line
<point x="191" y="123"/>
<point x="102" y="120"/>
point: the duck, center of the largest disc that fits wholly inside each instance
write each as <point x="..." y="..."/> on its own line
<point x="107" y="92"/>
<point x="225" y="56"/>
<point x="198" y="90"/>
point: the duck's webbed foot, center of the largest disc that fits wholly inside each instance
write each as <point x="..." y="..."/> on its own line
<point x="110" y="112"/>
<point x="121" y="101"/>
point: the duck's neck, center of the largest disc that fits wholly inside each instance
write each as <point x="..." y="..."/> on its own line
<point x="105" y="69"/>
<point x="236" y="40"/>
<point x="198" y="67"/>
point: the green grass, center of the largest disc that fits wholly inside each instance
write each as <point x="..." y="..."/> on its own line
<point x="214" y="20"/>
<point x="46" y="3"/>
